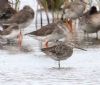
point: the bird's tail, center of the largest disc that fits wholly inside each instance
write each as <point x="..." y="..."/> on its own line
<point x="30" y="33"/>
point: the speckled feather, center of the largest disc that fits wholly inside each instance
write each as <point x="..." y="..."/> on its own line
<point x="45" y="30"/>
<point x="59" y="51"/>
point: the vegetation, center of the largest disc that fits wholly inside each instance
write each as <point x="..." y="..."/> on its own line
<point x="53" y="6"/>
<point x="15" y="4"/>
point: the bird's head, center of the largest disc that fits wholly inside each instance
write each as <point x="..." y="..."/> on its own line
<point x="28" y="8"/>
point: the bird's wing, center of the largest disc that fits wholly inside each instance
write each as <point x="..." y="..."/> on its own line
<point x="54" y="50"/>
<point x="43" y="31"/>
<point x="22" y="15"/>
<point x="8" y="29"/>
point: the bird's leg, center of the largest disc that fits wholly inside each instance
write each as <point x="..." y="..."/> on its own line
<point x="47" y="16"/>
<point x="20" y="37"/>
<point x="69" y="25"/>
<point x="96" y="35"/>
<point x="8" y="41"/>
<point x="87" y="35"/>
<point x="41" y="19"/>
<point x="59" y="64"/>
<point x="46" y="43"/>
<point x="57" y="40"/>
<point x="84" y="34"/>
<point x="36" y="21"/>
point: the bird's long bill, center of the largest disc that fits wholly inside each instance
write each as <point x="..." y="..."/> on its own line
<point x="75" y="46"/>
<point x="80" y="48"/>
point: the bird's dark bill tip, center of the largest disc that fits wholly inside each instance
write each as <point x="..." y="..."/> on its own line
<point x="81" y="48"/>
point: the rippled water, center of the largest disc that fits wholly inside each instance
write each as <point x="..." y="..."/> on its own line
<point x="35" y="68"/>
<point x="29" y="66"/>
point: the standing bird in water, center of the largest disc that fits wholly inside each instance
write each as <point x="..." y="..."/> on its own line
<point x="90" y="21"/>
<point x="73" y="10"/>
<point x="23" y="19"/>
<point x="60" y="51"/>
<point x="50" y="32"/>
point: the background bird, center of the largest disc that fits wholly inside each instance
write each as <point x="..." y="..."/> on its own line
<point x="10" y="32"/>
<point x="90" y="21"/>
<point x="73" y="10"/>
<point x="6" y="11"/>
<point x="50" y="32"/>
<point x="23" y="18"/>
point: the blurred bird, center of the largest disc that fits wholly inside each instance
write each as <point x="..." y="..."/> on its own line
<point x="60" y="51"/>
<point x="6" y="11"/>
<point x="90" y="21"/>
<point x="50" y="32"/>
<point x="23" y="19"/>
<point x="10" y="32"/>
<point x="73" y="10"/>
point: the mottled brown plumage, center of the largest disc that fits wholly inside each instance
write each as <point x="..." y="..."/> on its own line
<point x="9" y="29"/>
<point x="74" y="9"/>
<point x="23" y="18"/>
<point x="10" y="32"/>
<point x="6" y="11"/>
<point x="58" y="52"/>
<point x="45" y="30"/>
<point x="51" y="32"/>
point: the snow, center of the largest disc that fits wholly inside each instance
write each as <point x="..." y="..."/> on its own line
<point x="35" y="68"/>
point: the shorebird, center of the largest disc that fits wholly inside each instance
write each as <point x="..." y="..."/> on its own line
<point x="50" y="32"/>
<point x="6" y="11"/>
<point x="60" y="51"/>
<point x="90" y="21"/>
<point x="23" y="18"/>
<point x="73" y="10"/>
<point x="10" y="32"/>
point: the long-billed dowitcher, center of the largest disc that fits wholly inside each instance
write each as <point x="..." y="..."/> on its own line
<point x="73" y="10"/>
<point x="23" y="18"/>
<point x="50" y="32"/>
<point x="60" y="51"/>
<point x="90" y="21"/>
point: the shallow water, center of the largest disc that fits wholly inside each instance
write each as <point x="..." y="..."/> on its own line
<point x="83" y="68"/>
<point x="32" y="67"/>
